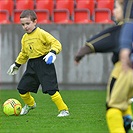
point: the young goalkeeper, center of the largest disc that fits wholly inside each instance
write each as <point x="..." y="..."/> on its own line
<point x="39" y="49"/>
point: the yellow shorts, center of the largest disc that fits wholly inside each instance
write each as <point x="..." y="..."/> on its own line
<point x="120" y="88"/>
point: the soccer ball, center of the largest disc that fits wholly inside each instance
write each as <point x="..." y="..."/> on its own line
<point x="12" y="107"/>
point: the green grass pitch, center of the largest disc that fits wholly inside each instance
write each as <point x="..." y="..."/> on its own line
<point x="87" y="113"/>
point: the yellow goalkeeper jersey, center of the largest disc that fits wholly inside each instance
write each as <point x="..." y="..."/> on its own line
<point x="36" y="44"/>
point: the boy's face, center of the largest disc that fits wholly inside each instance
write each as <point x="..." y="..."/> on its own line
<point x="118" y="12"/>
<point x="27" y="24"/>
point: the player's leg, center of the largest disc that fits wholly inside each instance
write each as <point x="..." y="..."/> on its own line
<point x="28" y="99"/>
<point x="127" y="114"/>
<point x="28" y="83"/>
<point x="29" y="103"/>
<point x="50" y="85"/>
<point x="114" y="115"/>
<point x="57" y="99"/>
<point x="127" y="117"/>
<point x="118" y="101"/>
<point x="115" y="120"/>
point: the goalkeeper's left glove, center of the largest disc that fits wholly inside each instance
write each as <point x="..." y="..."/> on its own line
<point x="50" y="57"/>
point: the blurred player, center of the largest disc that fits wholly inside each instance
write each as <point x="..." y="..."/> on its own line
<point x="122" y="89"/>
<point x="39" y="48"/>
<point x="107" y="41"/>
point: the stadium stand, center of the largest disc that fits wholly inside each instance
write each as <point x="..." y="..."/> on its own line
<point x="105" y="4"/>
<point x="65" y="5"/>
<point x="20" y="5"/>
<point x="61" y="16"/>
<point x="24" y="4"/>
<point x="102" y="16"/>
<point x="7" y="5"/>
<point x="83" y="11"/>
<point x="44" y="10"/>
<point x="6" y="9"/>
<point x="88" y="5"/>
<point x="45" y="5"/>
<point x="43" y="16"/>
<point x="63" y="11"/>
<point x="4" y="17"/>
<point x="103" y="11"/>
<point x="82" y="16"/>
<point x="59" y="11"/>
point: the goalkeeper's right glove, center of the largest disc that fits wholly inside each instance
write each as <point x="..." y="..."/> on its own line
<point x="50" y="57"/>
<point x="13" y="69"/>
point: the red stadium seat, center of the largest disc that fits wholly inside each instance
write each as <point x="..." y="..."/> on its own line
<point x="43" y="16"/>
<point x="16" y="16"/>
<point x="20" y="6"/>
<point x="43" y="0"/>
<point x="24" y="0"/>
<point x="82" y="16"/>
<point x="45" y="5"/>
<point x="86" y="5"/>
<point x="106" y="4"/>
<point x="61" y="16"/>
<point x="24" y="4"/>
<point x="65" y="4"/>
<point x="7" y="5"/>
<point x="102" y="16"/>
<point x="4" y="17"/>
<point x="84" y="0"/>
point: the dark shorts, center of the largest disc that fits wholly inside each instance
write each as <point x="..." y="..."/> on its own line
<point x="38" y="73"/>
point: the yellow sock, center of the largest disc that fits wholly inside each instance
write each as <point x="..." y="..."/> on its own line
<point x="57" y="99"/>
<point x="128" y="111"/>
<point x="28" y="99"/>
<point x="115" y="121"/>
